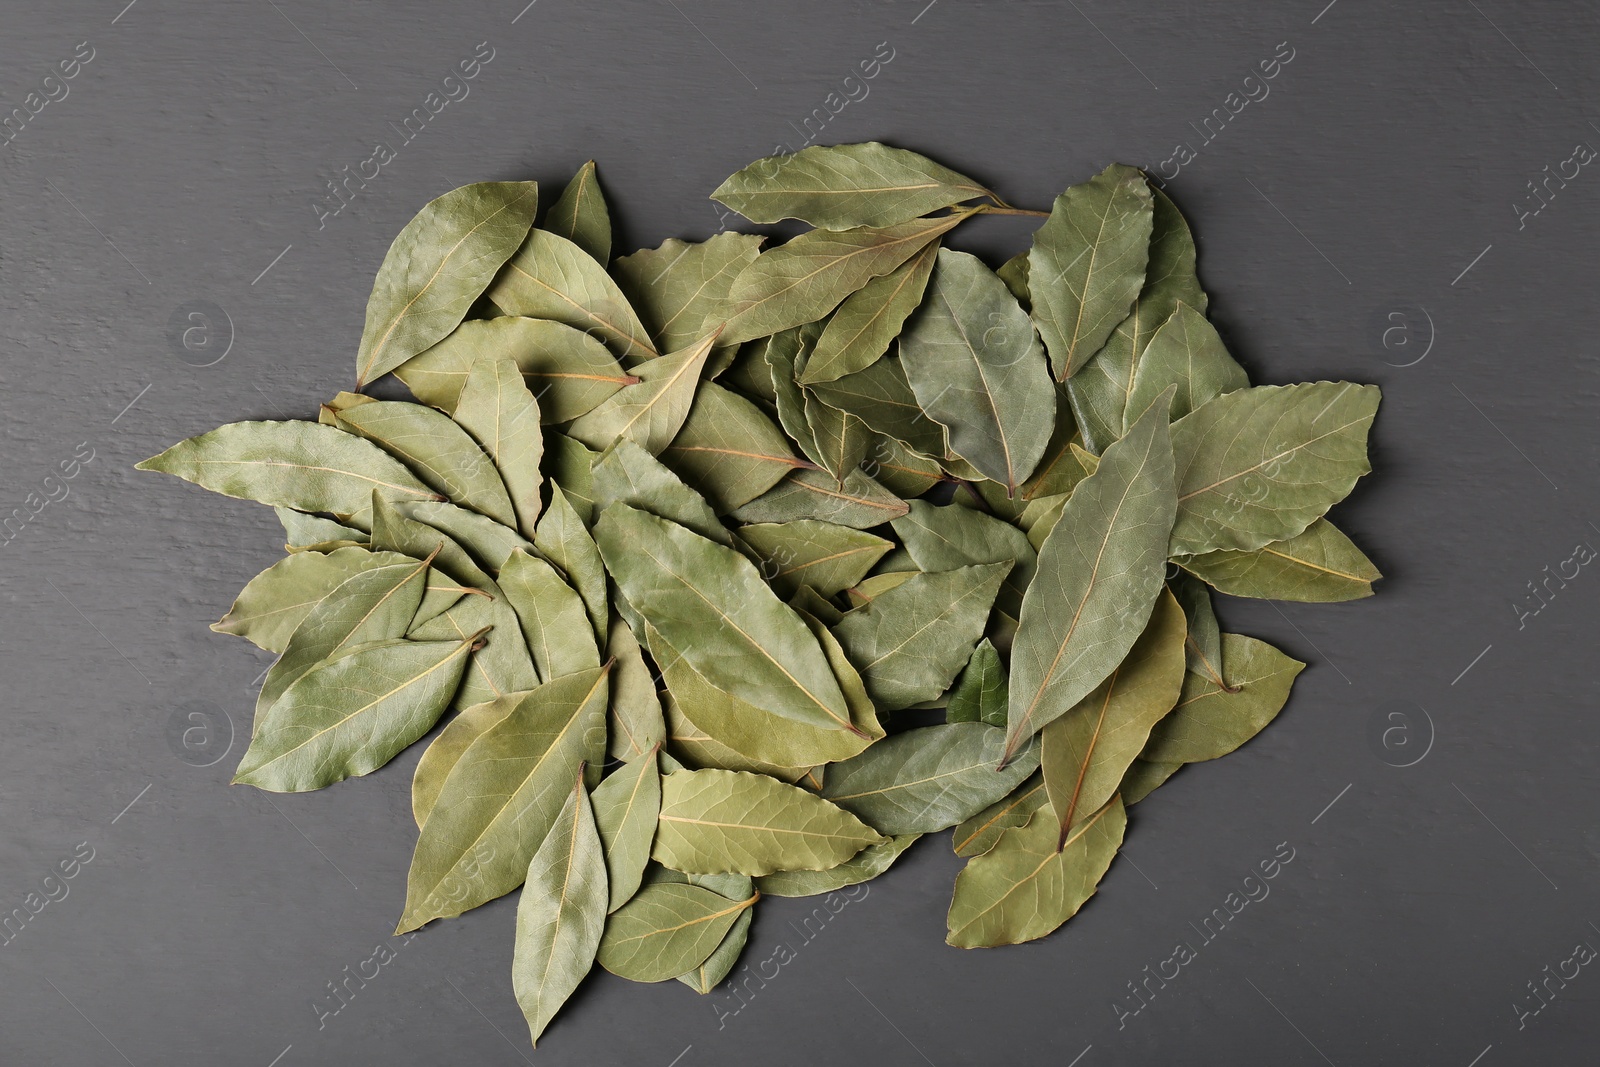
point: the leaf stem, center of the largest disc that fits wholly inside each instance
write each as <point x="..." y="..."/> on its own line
<point x="1007" y="209"/>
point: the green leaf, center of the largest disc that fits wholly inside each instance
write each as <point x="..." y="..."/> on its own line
<point x="496" y="408"/>
<point x="711" y="605"/>
<point x="1014" y="272"/>
<point x="443" y="259"/>
<point x="978" y="369"/>
<point x="568" y="467"/>
<point x="1202" y="644"/>
<point x="351" y="715"/>
<point x="1030" y="882"/>
<point x="581" y="216"/>
<point x="627" y="473"/>
<point x="374" y="604"/>
<point x="1099" y="392"/>
<point x="842" y="186"/>
<point x="625" y="808"/>
<point x="710" y="973"/>
<point x="860" y="503"/>
<point x="302" y="531"/>
<point x="941" y="538"/>
<point x="563" y="540"/>
<point x="1099" y="572"/>
<point x="728" y="449"/>
<point x="501" y="665"/>
<point x="1087" y="750"/>
<point x="636" y="726"/>
<point x="693" y="747"/>
<point x="819" y="555"/>
<point x="1143" y="778"/>
<point x="301" y="465"/>
<point x="554" y="621"/>
<point x="651" y="412"/>
<point x="1260" y="465"/>
<point x="804" y="279"/>
<point x="980" y="693"/>
<point x="1320" y="565"/>
<point x="560" y="914"/>
<point x="842" y="440"/>
<point x="681" y="289"/>
<point x="437" y="451"/>
<point x="1187" y="352"/>
<point x="668" y="929"/>
<point x="881" y="397"/>
<point x="1212" y="721"/>
<point x="862" y="867"/>
<point x="860" y="332"/>
<point x="910" y="642"/>
<point x="488" y="543"/>
<point x="568" y="371"/>
<point x="394" y="530"/>
<point x="785" y="355"/>
<point x="1063" y="465"/>
<point x="927" y="779"/>
<point x="549" y="277"/>
<point x="445" y="750"/>
<point x="278" y="599"/>
<point x="500" y="799"/>
<point x="1087" y="264"/>
<point x="978" y="834"/>
<point x="719" y="821"/>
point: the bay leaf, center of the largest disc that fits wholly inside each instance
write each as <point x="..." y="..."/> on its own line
<point x="910" y="642"/>
<point x="1260" y="465"/>
<point x="806" y="553"/>
<point x="567" y="466"/>
<point x="715" y="967"/>
<point x="554" y="621"/>
<point x="627" y="473"/>
<point x="980" y="693"/>
<point x="728" y="449"/>
<point x="1212" y="721"/>
<point x="563" y="539"/>
<point x="651" y="412"/>
<point x="1318" y="565"/>
<point x="881" y="397"/>
<point x="274" y="602"/>
<point x="1187" y="352"/>
<point x="445" y="749"/>
<point x="501" y="664"/>
<point x="439" y="452"/>
<point x="300" y="465"/>
<point x="978" y="834"/>
<point x="625" y="808"/>
<point x="393" y="530"/>
<point x="549" y="277"/>
<point x="978" y="369"/>
<point x="681" y="288"/>
<point x="1087" y="264"/>
<point x="568" y="371"/>
<point x="302" y="531"/>
<point x="439" y="264"/>
<point x="898" y="469"/>
<point x="487" y="542"/>
<point x="1086" y="752"/>
<point x="842" y="440"/>
<point x="635" y="724"/>
<point x="1143" y="778"/>
<point x="561" y="913"/>
<point x="1030" y="882"/>
<point x="1202" y="643"/>
<point x="1014" y="272"/>
<point x="720" y="821"/>
<point x="861" y="503"/>
<point x="501" y="798"/>
<point x="351" y="715"/>
<point x="1099" y="572"/>
<point x="838" y="187"/>
<point x="580" y="215"/>
<point x="667" y="929"/>
<point x="804" y="279"/>
<point x="1099" y="392"/>
<point x="867" y="322"/>
<point x="929" y="778"/>
<point x="942" y="538"/>
<point x="1064" y="463"/>
<point x="497" y="409"/>
<point x="862" y="867"/>
<point x="785" y="354"/>
<point x="693" y="748"/>
<point x="711" y="605"/>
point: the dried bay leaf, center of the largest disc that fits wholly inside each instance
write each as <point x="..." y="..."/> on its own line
<point x="563" y="539"/>
<point x="487" y="542"/>
<point x="1187" y="352"/>
<point x="651" y="412"/>
<point x="1087" y="264"/>
<point x="927" y="779"/>
<point x="444" y="750"/>
<point x="941" y="538"/>
<point x="667" y="929"/>
<point x="1319" y="565"/>
<point x="501" y="798"/>
<point x="351" y="715"/>
<point x="681" y="288"/>
<point x="1202" y="643"/>
<point x="881" y="397"/>
<point x="625" y="808"/>
<point x="500" y="413"/>
<point x="862" y="867"/>
<point x="627" y="473"/>
<point x="842" y="440"/>
<point x="861" y="330"/>
<point x="910" y="641"/>
<point x="728" y="449"/>
<point x="554" y="621"/>
<point x="561" y="913"/>
<point x="1210" y="720"/>
<point x="1143" y="778"/>
<point x="1098" y="574"/>
<point x="838" y="187"/>
<point x="978" y="369"/>
<point x="860" y="503"/>
<point x="436" y="450"/>
<point x="733" y="821"/>
<point x="1030" y="882"/>
<point x="636" y="726"/>
<point x="277" y="600"/>
<point x="567" y="467"/>
<point x="549" y="277"/>
<point x="978" y="834"/>
<point x="305" y="532"/>
<point x="715" y="967"/>
<point x="501" y="664"/>
<point x="580" y="214"/>
<point x="1260" y="465"/>
<point x="439" y="264"/>
<point x="979" y="694"/>
<point x="806" y="553"/>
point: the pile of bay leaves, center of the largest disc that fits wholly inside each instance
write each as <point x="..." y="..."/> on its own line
<point x="732" y="570"/>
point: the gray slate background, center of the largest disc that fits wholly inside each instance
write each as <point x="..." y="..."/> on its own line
<point x="1337" y="219"/>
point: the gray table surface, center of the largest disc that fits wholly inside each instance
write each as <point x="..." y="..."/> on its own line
<point x="1369" y="219"/>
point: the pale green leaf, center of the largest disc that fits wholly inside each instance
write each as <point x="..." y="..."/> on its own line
<point x="1212" y="721"/>
<point x="862" y="867"/>
<point x="861" y="330"/>
<point x="1318" y="565"/>
<point x="625" y="808"/>
<point x="651" y="412"/>
<point x="580" y="215"/>
<point x="437" y="451"/>
<point x="667" y="929"/>
<point x="681" y="289"/>
<point x="500" y="413"/>
<point x="549" y="277"/>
